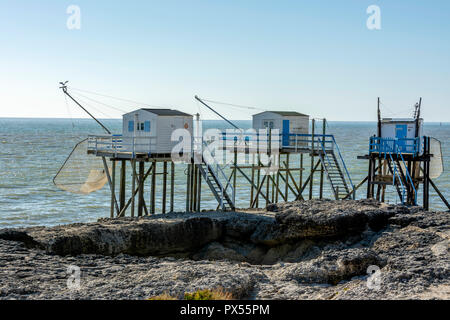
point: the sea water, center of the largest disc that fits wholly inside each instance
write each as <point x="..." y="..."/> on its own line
<point x="33" y="150"/>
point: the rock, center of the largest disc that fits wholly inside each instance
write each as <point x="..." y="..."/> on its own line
<point x="299" y="250"/>
<point x="141" y="237"/>
<point x="332" y="267"/>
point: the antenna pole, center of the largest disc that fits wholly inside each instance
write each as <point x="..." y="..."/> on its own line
<point x="64" y="89"/>
<point x="379" y="118"/>
<point x="201" y="101"/>
<point x="418" y="116"/>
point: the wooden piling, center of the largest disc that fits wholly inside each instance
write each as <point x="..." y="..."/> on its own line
<point x="301" y="171"/>
<point x="194" y="188"/>
<point x="123" y="182"/>
<point x="287" y="178"/>
<point x="141" y="189"/>
<point x="312" y="162"/>
<point x="172" y="185"/>
<point x="164" y="199"/>
<point x="133" y="185"/>
<point x="199" y="191"/>
<point x="234" y="174"/>
<point x="324" y="124"/>
<point x="153" y="189"/>
<point x="252" y="179"/>
<point x="278" y="178"/>
<point x="258" y="180"/>
<point x="113" y="187"/>
<point x="188" y="187"/>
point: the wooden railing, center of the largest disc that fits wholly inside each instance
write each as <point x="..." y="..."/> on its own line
<point x="117" y="143"/>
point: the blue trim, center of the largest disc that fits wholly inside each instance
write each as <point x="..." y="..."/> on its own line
<point x="395" y="145"/>
<point x="147" y="126"/>
<point x="285" y="132"/>
<point x="130" y="126"/>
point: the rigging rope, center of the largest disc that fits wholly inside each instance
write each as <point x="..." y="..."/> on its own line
<point x="99" y="102"/>
<point x="121" y="99"/>
<point x="91" y="106"/>
<point x="234" y="105"/>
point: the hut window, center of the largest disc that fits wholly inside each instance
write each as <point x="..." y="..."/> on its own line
<point x="142" y="126"/>
<point x="268" y="124"/>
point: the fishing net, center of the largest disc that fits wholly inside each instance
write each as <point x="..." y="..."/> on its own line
<point x="436" y="162"/>
<point x="81" y="173"/>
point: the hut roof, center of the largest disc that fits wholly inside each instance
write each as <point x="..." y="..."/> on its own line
<point x="167" y="112"/>
<point x="286" y="113"/>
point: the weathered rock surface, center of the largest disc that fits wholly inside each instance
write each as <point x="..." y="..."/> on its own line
<point x="299" y="250"/>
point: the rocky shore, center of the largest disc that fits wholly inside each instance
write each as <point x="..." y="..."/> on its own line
<point x="297" y="250"/>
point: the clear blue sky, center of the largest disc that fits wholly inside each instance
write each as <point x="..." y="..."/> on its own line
<point x="316" y="57"/>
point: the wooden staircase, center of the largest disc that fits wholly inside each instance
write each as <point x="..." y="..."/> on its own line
<point x="334" y="174"/>
<point x="218" y="190"/>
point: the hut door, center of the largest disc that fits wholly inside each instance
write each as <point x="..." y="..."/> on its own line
<point x="286" y="132"/>
<point x="401" y="131"/>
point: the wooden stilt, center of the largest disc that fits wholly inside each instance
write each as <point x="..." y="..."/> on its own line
<point x="113" y="187"/>
<point x="199" y="191"/>
<point x="141" y="189"/>
<point x="369" y="179"/>
<point x="108" y="176"/>
<point x="286" y="190"/>
<point x="301" y="171"/>
<point x="164" y="199"/>
<point x="194" y="188"/>
<point x="299" y="196"/>
<point x="133" y="185"/>
<point x="235" y="175"/>
<point x="252" y="181"/>
<point x="122" y="212"/>
<point x="311" y="180"/>
<point x="249" y="180"/>
<point x="172" y="185"/>
<point x="278" y="178"/>
<point x="123" y="182"/>
<point x="289" y="186"/>
<point x="383" y="187"/>
<point x="259" y="191"/>
<point x="153" y="189"/>
<point x="188" y="187"/>
<point x="267" y="188"/>
<point x="258" y="180"/>
<point x="324" y="124"/>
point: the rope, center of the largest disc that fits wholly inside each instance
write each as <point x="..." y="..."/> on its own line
<point x="395" y="113"/>
<point x="91" y="106"/>
<point x="234" y="105"/>
<point x="102" y="103"/>
<point x="121" y="99"/>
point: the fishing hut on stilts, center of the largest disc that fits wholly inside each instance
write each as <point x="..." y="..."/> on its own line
<point x="402" y="157"/>
<point x="269" y="161"/>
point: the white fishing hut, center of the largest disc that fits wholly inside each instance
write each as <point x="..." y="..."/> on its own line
<point x="400" y="128"/>
<point x="151" y="129"/>
<point x="287" y="122"/>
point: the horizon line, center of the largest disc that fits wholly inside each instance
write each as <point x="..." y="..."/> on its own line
<point x="87" y="118"/>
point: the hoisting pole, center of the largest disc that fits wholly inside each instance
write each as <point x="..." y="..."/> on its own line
<point x="201" y="101"/>
<point x="64" y="89"/>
